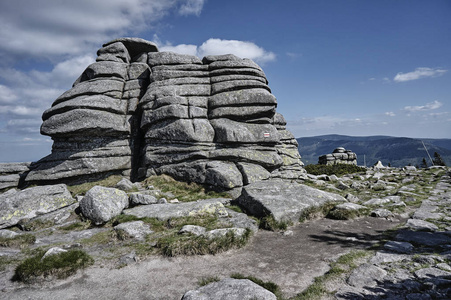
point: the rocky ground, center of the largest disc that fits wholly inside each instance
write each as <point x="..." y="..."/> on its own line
<point x="397" y="220"/>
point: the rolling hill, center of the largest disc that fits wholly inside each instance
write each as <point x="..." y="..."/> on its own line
<point x="396" y="151"/>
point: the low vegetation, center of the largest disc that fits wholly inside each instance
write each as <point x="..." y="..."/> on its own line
<point x="341" y="268"/>
<point x="183" y="191"/>
<point x="81" y="189"/>
<point x="59" y="265"/>
<point x="270" y="286"/>
<point x="270" y="223"/>
<point x="19" y="241"/>
<point x="338" y="169"/>
<point x="316" y="212"/>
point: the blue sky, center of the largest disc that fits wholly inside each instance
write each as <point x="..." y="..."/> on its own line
<point x="336" y="67"/>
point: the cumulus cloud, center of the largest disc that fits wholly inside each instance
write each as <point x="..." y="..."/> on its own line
<point x="428" y="106"/>
<point x="418" y="74"/>
<point x="390" y="114"/>
<point x="213" y="46"/>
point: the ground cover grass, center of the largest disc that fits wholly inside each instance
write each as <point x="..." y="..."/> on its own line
<point x="59" y="265"/>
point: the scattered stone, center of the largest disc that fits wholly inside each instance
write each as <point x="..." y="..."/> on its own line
<point x="376" y="202"/>
<point x="417" y="224"/>
<point x="184" y="209"/>
<point x="7" y="234"/>
<point x="230" y="289"/>
<point x="125" y="185"/>
<point x="128" y="259"/>
<point x="136" y="230"/>
<point x="399" y="247"/>
<point x="432" y="239"/>
<point x="352" y="198"/>
<point x="366" y="275"/>
<point x="217" y="233"/>
<point x="288" y="233"/>
<point x="193" y="229"/>
<point x="381" y="213"/>
<point x="143" y="199"/>
<point x="31" y="202"/>
<point x="101" y="204"/>
<point x="53" y="251"/>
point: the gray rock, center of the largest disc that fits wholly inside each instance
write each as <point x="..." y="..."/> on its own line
<point x="352" y="198"/>
<point x="424" y="238"/>
<point x="282" y="199"/>
<point x="381" y="213"/>
<point x="366" y="275"/>
<point x="101" y="204"/>
<point x="399" y="247"/>
<point x="53" y="251"/>
<point x="114" y="52"/>
<point x="230" y="289"/>
<point x="377" y="202"/>
<point x="417" y="224"/>
<point x="168" y="211"/>
<point x="193" y="229"/>
<point x="136" y="230"/>
<point x="229" y="131"/>
<point x="382" y="258"/>
<point x="125" y="184"/>
<point x="252" y="173"/>
<point x="349" y="206"/>
<point x="218" y="233"/>
<point x="9" y="181"/>
<point x="428" y="273"/>
<point x="139" y="198"/>
<point x="31" y="202"/>
<point x="7" y="234"/>
<point x="223" y="174"/>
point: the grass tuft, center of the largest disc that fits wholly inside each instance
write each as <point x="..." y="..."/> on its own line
<point x="315" y="212"/>
<point x="183" y="191"/>
<point x="60" y="265"/>
<point x="269" y="223"/>
<point x="207" y="280"/>
<point x="81" y="189"/>
<point x="174" y="245"/>
<point x="270" y="286"/>
<point x="19" y="241"/>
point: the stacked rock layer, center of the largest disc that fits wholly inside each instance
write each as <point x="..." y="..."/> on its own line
<point x="339" y="156"/>
<point x="139" y="112"/>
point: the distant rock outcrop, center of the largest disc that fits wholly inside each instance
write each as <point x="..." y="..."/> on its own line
<point x="139" y="112"/>
<point x="339" y="156"/>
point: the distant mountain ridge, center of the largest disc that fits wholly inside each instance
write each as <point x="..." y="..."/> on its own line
<point x="396" y="151"/>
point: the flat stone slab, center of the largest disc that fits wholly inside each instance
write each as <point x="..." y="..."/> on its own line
<point x="167" y="211"/>
<point x="283" y="199"/>
<point x="424" y="238"/>
<point x="230" y="289"/>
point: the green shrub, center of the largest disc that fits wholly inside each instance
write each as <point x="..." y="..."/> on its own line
<point x="60" y="265"/>
<point x="338" y="169"/>
<point x="314" y="212"/>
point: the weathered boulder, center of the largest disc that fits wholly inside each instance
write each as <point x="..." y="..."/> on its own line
<point x="282" y="199"/>
<point x="11" y="173"/>
<point x="230" y="289"/>
<point x="139" y="112"/>
<point x="32" y="202"/>
<point x="136" y="230"/>
<point x="339" y="156"/>
<point x="101" y="204"/>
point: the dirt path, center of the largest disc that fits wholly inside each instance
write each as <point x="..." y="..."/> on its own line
<point x="291" y="261"/>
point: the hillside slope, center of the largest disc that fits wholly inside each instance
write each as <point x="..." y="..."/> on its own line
<point x="396" y="151"/>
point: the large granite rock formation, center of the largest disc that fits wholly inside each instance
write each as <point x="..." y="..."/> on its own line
<point x="139" y="112"/>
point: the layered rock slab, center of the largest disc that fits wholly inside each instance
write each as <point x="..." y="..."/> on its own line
<point x="283" y="199"/>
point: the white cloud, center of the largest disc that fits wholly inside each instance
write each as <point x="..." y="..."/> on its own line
<point x="7" y="95"/>
<point x="419" y="73"/>
<point x="390" y="114"/>
<point x="243" y="49"/>
<point x="428" y="106"/>
<point x="48" y="28"/>
<point x="191" y="7"/>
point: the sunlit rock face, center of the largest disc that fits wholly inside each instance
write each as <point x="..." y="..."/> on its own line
<point x="140" y="112"/>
